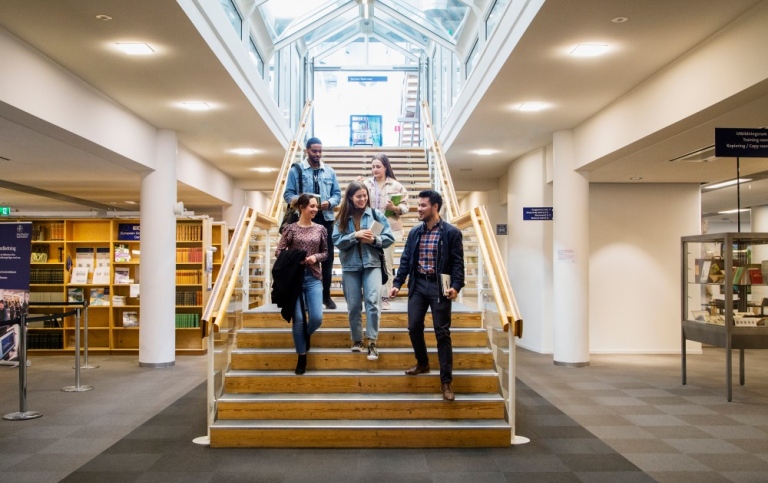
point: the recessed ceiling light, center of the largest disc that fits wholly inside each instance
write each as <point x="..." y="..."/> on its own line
<point x="244" y="151"/>
<point x="619" y="19"/>
<point x="130" y="203"/>
<point x="263" y="170"/>
<point x="726" y="183"/>
<point x="196" y="106"/>
<point x="135" y="48"/>
<point x="485" y="152"/>
<point x="589" y="50"/>
<point x="466" y="169"/>
<point x="636" y="178"/>
<point x="532" y="106"/>
<point x="729" y="212"/>
<point x="105" y="18"/>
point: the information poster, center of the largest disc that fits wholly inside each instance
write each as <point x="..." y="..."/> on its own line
<point x="15" y="254"/>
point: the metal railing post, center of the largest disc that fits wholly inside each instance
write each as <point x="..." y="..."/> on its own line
<point x="85" y="344"/>
<point x="77" y="387"/>
<point x="23" y="414"/>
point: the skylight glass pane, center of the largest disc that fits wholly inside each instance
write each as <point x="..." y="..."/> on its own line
<point x="398" y="25"/>
<point x="233" y="15"/>
<point x="328" y="27"/>
<point x="443" y="17"/>
<point x="285" y="16"/>
<point x="494" y="16"/>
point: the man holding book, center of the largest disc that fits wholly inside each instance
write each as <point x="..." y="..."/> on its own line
<point x="320" y="179"/>
<point x="433" y="255"/>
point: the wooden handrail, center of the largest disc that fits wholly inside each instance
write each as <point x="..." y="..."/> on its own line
<point x="446" y="188"/>
<point x="294" y="149"/>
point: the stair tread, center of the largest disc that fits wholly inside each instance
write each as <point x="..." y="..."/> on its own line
<point x="339" y="373"/>
<point x="342" y="397"/>
<point x="381" y="424"/>
<point x="382" y="350"/>
<point x="288" y="329"/>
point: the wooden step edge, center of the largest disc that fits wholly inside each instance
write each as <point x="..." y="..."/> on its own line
<point x="355" y="397"/>
<point x="334" y="351"/>
<point x="461" y="373"/>
<point x="345" y="330"/>
<point x="363" y="424"/>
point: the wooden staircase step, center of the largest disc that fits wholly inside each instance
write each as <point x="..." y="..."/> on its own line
<point x="333" y="359"/>
<point x="466" y="381"/>
<point x="415" y="433"/>
<point x="359" y="406"/>
<point x="340" y="319"/>
<point x="339" y="337"/>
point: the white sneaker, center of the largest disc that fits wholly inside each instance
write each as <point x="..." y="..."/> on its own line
<point x="385" y="304"/>
<point x="357" y="346"/>
<point x="373" y="354"/>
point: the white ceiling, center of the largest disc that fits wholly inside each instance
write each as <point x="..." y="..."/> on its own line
<point x="657" y="33"/>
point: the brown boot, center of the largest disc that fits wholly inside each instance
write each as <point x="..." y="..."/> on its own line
<point x="417" y="369"/>
<point x="448" y="392"/>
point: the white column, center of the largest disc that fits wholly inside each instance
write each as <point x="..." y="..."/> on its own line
<point x="570" y="242"/>
<point x="157" y="335"/>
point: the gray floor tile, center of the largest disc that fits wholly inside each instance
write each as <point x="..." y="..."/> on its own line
<point x="614" y="476"/>
<point x="694" y="476"/>
<point x="703" y="446"/>
<point x="732" y="462"/>
<point x="645" y="420"/>
<point x="652" y="462"/>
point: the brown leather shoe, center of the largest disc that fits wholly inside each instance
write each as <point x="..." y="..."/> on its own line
<point x="448" y="392"/>
<point x="417" y="369"/>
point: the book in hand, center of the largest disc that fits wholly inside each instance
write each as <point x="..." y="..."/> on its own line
<point x="395" y="201"/>
<point x="376" y="228"/>
<point x="130" y="319"/>
<point x="445" y="282"/>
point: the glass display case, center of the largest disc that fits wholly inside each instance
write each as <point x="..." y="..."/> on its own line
<point x="724" y="295"/>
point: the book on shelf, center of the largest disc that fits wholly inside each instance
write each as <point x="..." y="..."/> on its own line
<point x="79" y="275"/>
<point x="75" y="294"/>
<point x="118" y="300"/>
<point x="101" y="276"/>
<point x="122" y="253"/>
<point x="702" y="270"/>
<point x="130" y="319"/>
<point x="755" y="275"/>
<point x="716" y="271"/>
<point x="99" y="297"/>
<point x="739" y="275"/>
<point x="122" y="275"/>
<point x="102" y="257"/>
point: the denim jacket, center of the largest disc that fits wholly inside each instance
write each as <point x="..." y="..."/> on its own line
<point x="353" y="255"/>
<point x="329" y="186"/>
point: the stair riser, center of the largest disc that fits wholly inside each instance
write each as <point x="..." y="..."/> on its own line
<point x="353" y="361"/>
<point x="337" y="340"/>
<point x="358" y="383"/>
<point x="361" y="410"/>
<point x="341" y="320"/>
<point x="360" y="438"/>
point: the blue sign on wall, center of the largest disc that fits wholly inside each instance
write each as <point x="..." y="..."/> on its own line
<point x="367" y="78"/>
<point x="537" y="213"/>
<point x="128" y="231"/>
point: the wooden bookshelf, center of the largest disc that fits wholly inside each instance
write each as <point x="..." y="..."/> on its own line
<point x="114" y="244"/>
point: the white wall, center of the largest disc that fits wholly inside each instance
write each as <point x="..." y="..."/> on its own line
<point x="198" y="173"/>
<point x="634" y="280"/>
<point x="530" y="250"/>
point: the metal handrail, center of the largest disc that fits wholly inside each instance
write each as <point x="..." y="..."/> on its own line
<point x="440" y="164"/>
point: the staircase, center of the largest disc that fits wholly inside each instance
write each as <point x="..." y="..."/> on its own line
<point x="347" y="401"/>
<point x="344" y="400"/>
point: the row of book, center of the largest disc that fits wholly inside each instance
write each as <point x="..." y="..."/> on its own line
<point x="40" y="340"/>
<point x="186" y="232"/>
<point x="46" y="275"/>
<point x="53" y="232"/>
<point x="46" y="297"/>
<point x="189" y="277"/>
<point x="712" y="271"/>
<point x="189" y="298"/>
<point x="189" y="255"/>
<point x="187" y="321"/>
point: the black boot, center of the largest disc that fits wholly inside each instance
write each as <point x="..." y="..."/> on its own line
<point x="301" y="365"/>
<point x="307" y="339"/>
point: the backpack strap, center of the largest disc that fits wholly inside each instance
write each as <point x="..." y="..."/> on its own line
<point x="298" y="175"/>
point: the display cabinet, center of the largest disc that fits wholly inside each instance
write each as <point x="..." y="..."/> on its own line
<point x="724" y="295"/>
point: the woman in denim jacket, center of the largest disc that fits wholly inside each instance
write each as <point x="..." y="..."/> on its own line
<point x="359" y="250"/>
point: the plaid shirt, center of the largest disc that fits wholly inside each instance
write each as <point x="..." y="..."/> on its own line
<point x="428" y="249"/>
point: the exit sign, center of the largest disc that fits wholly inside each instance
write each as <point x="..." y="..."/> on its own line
<point x="5" y="211"/>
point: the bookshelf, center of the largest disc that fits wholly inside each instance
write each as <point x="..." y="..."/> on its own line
<point x="105" y="260"/>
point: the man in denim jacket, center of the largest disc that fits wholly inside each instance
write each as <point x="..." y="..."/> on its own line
<point x="434" y="248"/>
<point x="318" y="178"/>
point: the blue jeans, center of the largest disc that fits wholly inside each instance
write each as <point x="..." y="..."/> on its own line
<point x="359" y="286"/>
<point x="313" y="302"/>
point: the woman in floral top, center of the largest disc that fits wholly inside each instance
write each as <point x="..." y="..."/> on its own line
<point x="384" y="189"/>
<point x="312" y="238"/>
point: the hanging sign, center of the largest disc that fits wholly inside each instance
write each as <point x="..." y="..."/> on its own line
<point x="537" y="213"/>
<point x="741" y="143"/>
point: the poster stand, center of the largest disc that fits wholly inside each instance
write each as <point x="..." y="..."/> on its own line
<point x="23" y="413"/>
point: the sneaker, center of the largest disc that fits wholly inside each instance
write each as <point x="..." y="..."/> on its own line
<point x="373" y="354"/>
<point x="329" y="303"/>
<point x="385" y="304"/>
<point x="357" y="346"/>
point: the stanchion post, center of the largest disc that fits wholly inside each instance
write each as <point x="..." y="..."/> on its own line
<point x="23" y="414"/>
<point x="77" y="387"/>
<point x="85" y="343"/>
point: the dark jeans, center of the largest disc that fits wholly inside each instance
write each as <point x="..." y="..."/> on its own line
<point x="424" y="294"/>
<point x="327" y="265"/>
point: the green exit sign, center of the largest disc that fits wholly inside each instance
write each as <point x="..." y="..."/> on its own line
<point x="5" y="211"/>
